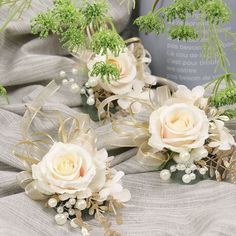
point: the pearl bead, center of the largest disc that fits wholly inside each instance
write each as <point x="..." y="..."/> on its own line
<point x="81" y="205"/>
<point x="202" y="171"/>
<point x="65" y="82"/>
<point x="62" y="74"/>
<point x="165" y="174"/>
<point x="181" y="167"/>
<point x="71" y="212"/>
<point x="72" y="201"/>
<point x="60" y="219"/>
<point x="73" y="223"/>
<point x="184" y="156"/>
<point x="90" y="101"/>
<point x="68" y="205"/>
<point x="186" y="179"/>
<point x="90" y="91"/>
<point x="87" y="85"/>
<point x="187" y="170"/>
<point x="71" y="80"/>
<point x="83" y="91"/>
<point x="193" y="167"/>
<point x="75" y="88"/>
<point x="193" y="176"/>
<point x="52" y="202"/>
<point x="75" y="71"/>
<point x="60" y="210"/>
<point x="93" y="82"/>
<point x="173" y="168"/>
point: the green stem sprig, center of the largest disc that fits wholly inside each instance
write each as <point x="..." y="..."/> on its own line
<point x="87" y="26"/>
<point x="15" y="8"/>
<point x="210" y="15"/>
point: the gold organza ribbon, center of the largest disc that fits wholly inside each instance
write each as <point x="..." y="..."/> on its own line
<point x="36" y="106"/>
<point x="150" y="157"/>
<point x="39" y="143"/>
<point x="133" y="132"/>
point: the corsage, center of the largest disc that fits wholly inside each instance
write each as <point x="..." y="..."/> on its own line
<point x="179" y="133"/>
<point x="64" y="168"/>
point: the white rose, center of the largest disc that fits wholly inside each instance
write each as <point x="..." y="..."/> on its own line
<point x="71" y="168"/>
<point x="178" y="127"/>
<point x="126" y="65"/>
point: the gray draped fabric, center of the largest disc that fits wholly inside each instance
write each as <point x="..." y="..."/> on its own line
<point x="207" y="208"/>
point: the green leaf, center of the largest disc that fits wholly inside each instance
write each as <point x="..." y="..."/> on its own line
<point x="3" y="91"/>
<point x="90" y="110"/>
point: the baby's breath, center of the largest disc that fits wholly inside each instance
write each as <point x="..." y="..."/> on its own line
<point x="231" y="113"/>
<point x="95" y="14"/>
<point x="179" y="10"/>
<point x="72" y="39"/>
<point x="226" y="96"/>
<point x="216" y="12"/>
<point x="150" y="23"/>
<point x="107" y="41"/>
<point x="183" y="32"/>
<point x="105" y="71"/>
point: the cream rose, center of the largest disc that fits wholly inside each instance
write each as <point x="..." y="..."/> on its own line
<point x="178" y="127"/>
<point x="71" y="168"/>
<point x="126" y="65"/>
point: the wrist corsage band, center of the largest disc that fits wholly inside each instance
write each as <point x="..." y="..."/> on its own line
<point x="64" y="168"/>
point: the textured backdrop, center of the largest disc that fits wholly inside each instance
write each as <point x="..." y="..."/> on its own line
<point x="156" y="208"/>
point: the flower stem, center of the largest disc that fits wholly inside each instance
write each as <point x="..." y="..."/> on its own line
<point x="154" y="5"/>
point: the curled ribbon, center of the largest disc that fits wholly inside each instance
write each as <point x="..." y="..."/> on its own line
<point x="133" y="132"/>
<point x="33" y="147"/>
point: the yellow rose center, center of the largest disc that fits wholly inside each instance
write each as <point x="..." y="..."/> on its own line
<point x="66" y="164"/>
<point x="114" y="62"/>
